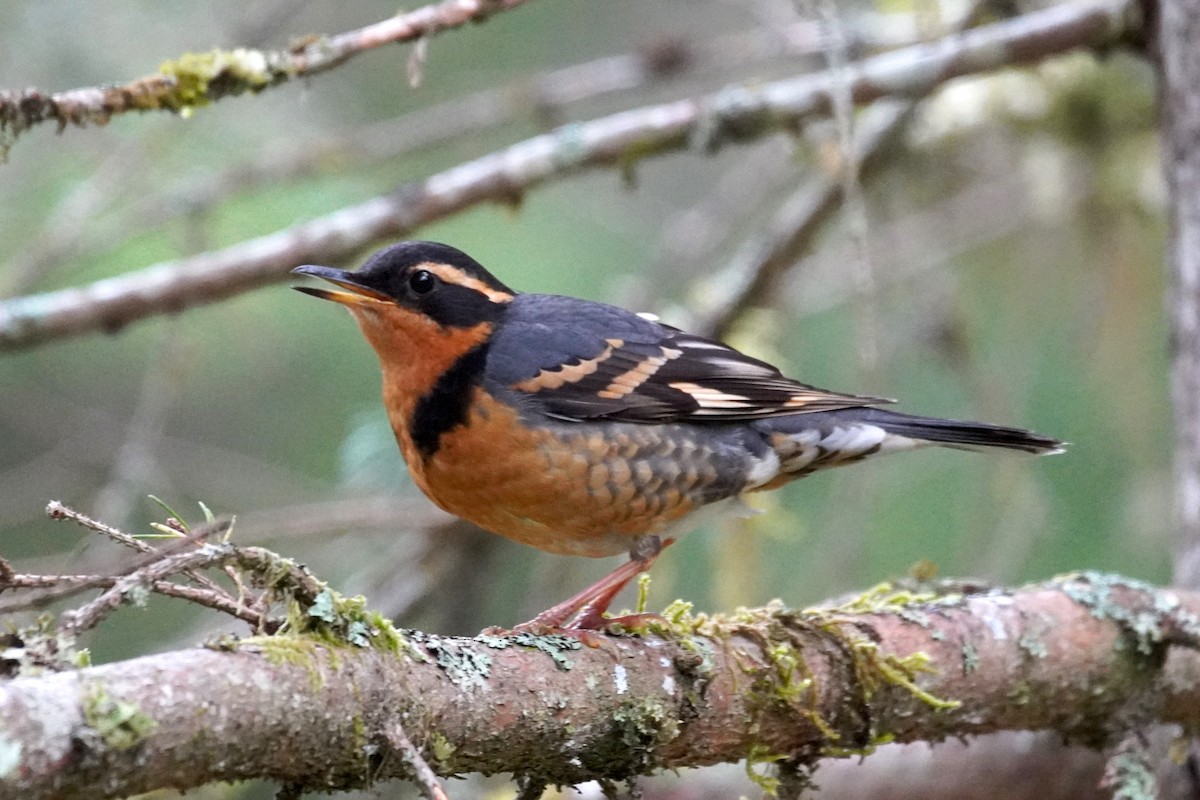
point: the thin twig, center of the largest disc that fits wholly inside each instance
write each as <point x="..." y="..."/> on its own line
<point x="754" y="272"/>
<point x="853" y="202"/>
<point x="733" y="115"/>
<point x="78" y="583"/>
<point x="544" y="98"/>
<point x="56" y="510"/>
<point x="426" y="778"/>
<point x="133" y="463"/>
<point x="255" y="559"/>
<point x="198" y="79"/>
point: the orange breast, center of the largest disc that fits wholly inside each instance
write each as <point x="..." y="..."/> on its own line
<point x="579" y="489"/>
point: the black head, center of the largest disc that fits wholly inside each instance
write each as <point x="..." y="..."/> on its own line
<point x="436" y="280"/>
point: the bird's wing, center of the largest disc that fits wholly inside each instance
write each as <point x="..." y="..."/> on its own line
<point x="580" y="360"/>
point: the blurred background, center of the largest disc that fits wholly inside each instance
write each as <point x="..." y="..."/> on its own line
<point x="1003" y="262"/>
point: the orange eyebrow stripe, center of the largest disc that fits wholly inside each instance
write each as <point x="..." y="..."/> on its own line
<point x="570" y="373"/>
<point x="456" y="276"/>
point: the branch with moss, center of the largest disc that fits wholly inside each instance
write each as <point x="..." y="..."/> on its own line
<point x="197" y="79"/>
<point x="737" y="114"/>
<point x="1088" y="656"/>
<point x="188" y="553"/>
<point x="542" y="99"/>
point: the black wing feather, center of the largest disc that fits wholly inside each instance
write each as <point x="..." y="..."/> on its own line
<point x="580" y="360"/>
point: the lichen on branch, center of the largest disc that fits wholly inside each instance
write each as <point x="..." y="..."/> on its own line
<point x="772" y="685"/>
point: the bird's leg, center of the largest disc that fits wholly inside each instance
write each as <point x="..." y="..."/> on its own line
<point x="591" y="603"/>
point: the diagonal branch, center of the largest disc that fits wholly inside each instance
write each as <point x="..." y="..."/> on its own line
<point x="757" y="268"/>
<point x="733" y="115"/>
<point x="542" y="98"/>
<point x="199" y="79"/>
<point x="767" y="684"/>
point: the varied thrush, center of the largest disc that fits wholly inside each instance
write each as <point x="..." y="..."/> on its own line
<point x="585" y="429"/>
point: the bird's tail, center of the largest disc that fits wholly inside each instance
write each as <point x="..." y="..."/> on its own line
<point x="805" y="443"/>
<point x="956" y="433"/>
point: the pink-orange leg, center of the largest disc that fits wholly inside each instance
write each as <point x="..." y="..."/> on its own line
<point x="590" y="604"/>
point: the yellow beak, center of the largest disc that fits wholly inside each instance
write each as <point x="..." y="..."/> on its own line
<point x="356" y="296"/>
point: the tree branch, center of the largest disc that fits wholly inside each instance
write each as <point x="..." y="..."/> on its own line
<point x="1089" y="656"/>
<point x="733" y="115"/>
<point x="544" y="99"/>
<point x="756" y="269"/>
<point x="1179" y="106"/>
<point x="198" y="79"/>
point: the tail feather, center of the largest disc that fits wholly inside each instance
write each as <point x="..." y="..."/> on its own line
<point x="955" y="433"/>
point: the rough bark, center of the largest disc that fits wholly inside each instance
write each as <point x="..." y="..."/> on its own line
<point x="1178" y="35"/>
<point x="1088" y="656"/>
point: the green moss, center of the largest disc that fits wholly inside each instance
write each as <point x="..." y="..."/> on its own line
<point x="297" y="651"/>
<point x="789" y="681"/>
<point x="877" y="741"/>
<point x="886" y="598"/>
<point x="358" y="731"/>
<point x="441" y="748"/>
<point x="339" y="621"/>
<point x="201" y="78"/>
<point x="876" y="670"/>
<point x="767" y="780"/>
<point x="635" y="152"/>
<point x="1021" y="693"/>
<point x="120" y="725"/>
<point x="38" y="648"/>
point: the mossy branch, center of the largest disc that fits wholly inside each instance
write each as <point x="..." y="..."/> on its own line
<point x="706" y="124"/>
<point x="197" y="79"/>
<point x="1088" y="656"/>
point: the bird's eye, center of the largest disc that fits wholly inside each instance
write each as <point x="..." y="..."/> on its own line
<point x="422" y="281"/>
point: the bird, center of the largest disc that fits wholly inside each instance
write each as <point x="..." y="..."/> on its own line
<point x="581" y="428"/>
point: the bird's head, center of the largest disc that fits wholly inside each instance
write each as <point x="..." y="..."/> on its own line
<point x="422" y="306"/>
<point x="415" y="284"/>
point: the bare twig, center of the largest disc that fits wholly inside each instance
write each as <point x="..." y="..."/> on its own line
<point x="74" y="584"/>
<point x="849" y="168"/>
<point x="734" y="115"/>
<point x="133" y="464"/>
<point x="426" y="778"/>
<point x="257" y="560"/>
<point x="196" y="80"/>
<point x="56" y="510"/>
<point x="754" y="272"/>
<point x="544" y="98"/>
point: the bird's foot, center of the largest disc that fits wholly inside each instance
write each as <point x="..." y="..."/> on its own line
<point x="586" y="610"/>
